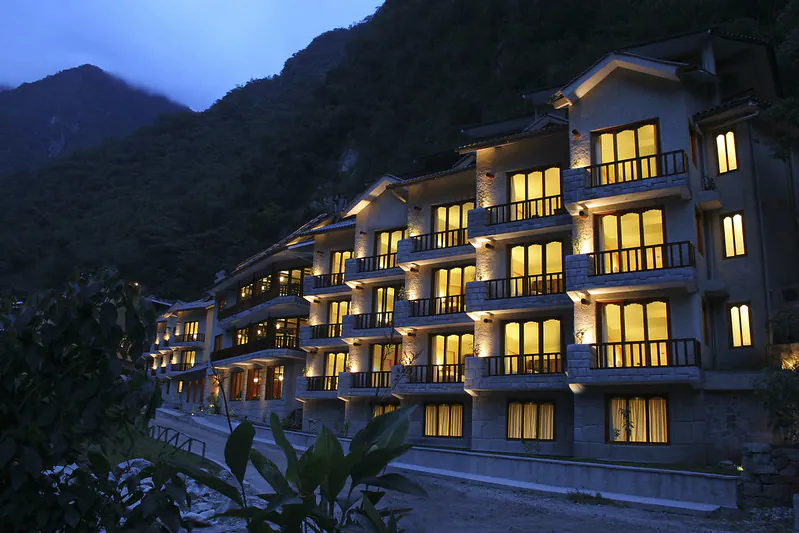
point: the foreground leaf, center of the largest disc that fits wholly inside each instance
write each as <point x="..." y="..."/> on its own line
<point x="237" y="449"/>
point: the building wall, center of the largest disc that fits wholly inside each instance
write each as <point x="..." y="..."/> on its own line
<point x="327" y="243"/>
<point x="426" y="195"/>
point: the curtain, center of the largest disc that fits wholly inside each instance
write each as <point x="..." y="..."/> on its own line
<point x="658" y="428"/>
<point x="444" y="421"/>
<point x="546" y="421"/>
<point x="515" y="420"/>
<point x="637" y="419"/>
<point x="617" y="431"/>
<point x="456" y="420"/>
<point x="430" y="429"/>
<point x="530" y="428"/>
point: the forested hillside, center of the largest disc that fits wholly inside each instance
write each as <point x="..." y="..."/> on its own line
<point x="194" y="193"/>
<point x="73" y="109"/>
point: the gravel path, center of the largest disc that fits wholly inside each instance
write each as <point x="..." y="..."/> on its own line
<point x="473" y="508"/>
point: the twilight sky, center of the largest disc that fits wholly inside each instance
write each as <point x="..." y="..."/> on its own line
<point x="193" y="51"/>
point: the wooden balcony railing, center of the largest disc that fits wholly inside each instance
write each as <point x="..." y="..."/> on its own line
<point x="439" y="239"/>
<point x="278" y="341"/>
<point x="374" y="320"/>
<point x="440" y="305"/>
<point x="434" y="373"/>
<point x="642" y="354"/>
<point x="653" y="257"/>
<point x="190" y="337"/>
<point x="181" y="367"/>
<point x="322" y="383"/>
<point x="377" y="262"/>
<point x="371" y="380"/>
<point x="512" y="365"/>
<point x="283" y="289"/>
<point x="526" y="286"/>
<point x="325" y="331"/>
<point x="324" y="281"/>
<point x="525" y="209"/>
<point x="638" y="168"/>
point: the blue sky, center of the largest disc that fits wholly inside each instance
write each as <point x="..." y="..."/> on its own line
<point x="193" y="51"/>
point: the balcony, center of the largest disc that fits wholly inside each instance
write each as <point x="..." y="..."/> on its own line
<point x="364" y="384"/>
<point x="283" y="291"/>
<point x="506" y="295"/>
<point x="636" y="362"/>
<point x="655" y="267"/>
<point x="627" y="182"/>
<point x="181" y="367"/>
<point x="368" y="325"/>
<point x="515" y="372"/>
<point x="376" y="267"/>
<point x="277" y="346"/>
<point x="322" y="383"/>
<point x="332" y="284"/>
<point x="325" y="331"/>
<point x="709" y="198"/>
<point x="518" y="219"/>
<point x="431" y="247"/>
<point x="317" y="388"/>
<point x="189" y="338"/>
<point x="376" y="262"/>
<point x="440" y="305"/>
<point x="321" y="336"/>
<point x="427" y="379"/>
<point x="429" y="312"/>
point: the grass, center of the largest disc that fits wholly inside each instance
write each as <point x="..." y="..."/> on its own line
<point x="147" y="448"/>
<point x="588" y="498"/>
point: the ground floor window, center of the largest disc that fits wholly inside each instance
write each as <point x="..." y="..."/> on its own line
<point x="236" y="385"/>
<point x="274" y="382"/>
<point x="531" y="420"/>
<point x="638" y="419"/>
<point x="443" y="420"/>
<point x="383" y="408"/>
<point x="254" y="378"/>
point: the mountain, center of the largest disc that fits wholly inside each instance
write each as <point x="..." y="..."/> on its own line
<point x="176" y="201"/>
<point x="73" y="109"/>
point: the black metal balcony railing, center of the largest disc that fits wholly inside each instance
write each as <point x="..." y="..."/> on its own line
<point x="190" y="337"/>
<point x="439" y="239"/>
<point x="653" y="257"/>
<point x="642" y="354"/>
<point x="181" y="367"/>
<point x="325" y="331"/>
<point x="371" y="380"/>
<point x="511" y="365"/>
<point x="163" y="369"/>
<point x="440" y="305"/>
<point x="377" y="262"/>
<point x="708" y="183"/>
<point x="526" y="286"/>
<point x="374" y="320"/>
<point x="638" y="168"/>
<point x="322" y="383"/>
<point x="283" y="289"/>
<point x="324" y="281"/>
<point x="434" y="373"/>
<point x="525" y="209"/>
<point x="278" y="341"/>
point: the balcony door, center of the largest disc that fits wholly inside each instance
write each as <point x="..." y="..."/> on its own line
<point x="287" y="331"/>
<point x="535" y="193"/>
<point x="451" y="349"/>
<point x="290" y="281"/>
<point x="336" y="310"/>
<point x="335" y="362"/>
<point x="385" y="356"/>
<point x="632" y="334"/>
<point x="626" y="153"/>
<point x="534" y="346"/>
<point x="449" y="288"/>
<point x="536" y="269"/>
<point x="338" y="260"/>
<point x="447" y="220"/>
<point x="383" y="300"/>
<point x="190" y="330"/>
<point x="633" y="239"/>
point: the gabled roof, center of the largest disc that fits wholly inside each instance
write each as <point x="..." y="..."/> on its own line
<point x="465" y="163"/>
<point x="494" y="128"/>
<point x="202" y="303"/>
<point x="331" y="226"/>
<point x="722" y="110"/>
<point x="369" y="195"/>
<point x="508" y="139"/>
<point x="279" y="246"/>
<point x="593" y="75"/>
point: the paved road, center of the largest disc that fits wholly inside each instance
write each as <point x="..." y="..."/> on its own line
<point x="472" y="508"/>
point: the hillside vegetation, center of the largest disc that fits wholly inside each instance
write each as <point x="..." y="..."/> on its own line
<point x="177" y="201"/>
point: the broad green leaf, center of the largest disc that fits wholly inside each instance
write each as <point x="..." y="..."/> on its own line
<point x="209" y="480"/>
<point x="371" y="513"/>
<point x="270" y="472"/>
<point x="375" y="461"/>
<point x="311" y="470"/>
<point x="395" y="482"/>
<point x="376" y="427"/>
<point x="237" y="449"/>
<point x="288" y="449"/>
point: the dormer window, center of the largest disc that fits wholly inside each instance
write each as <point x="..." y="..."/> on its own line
<point x="725" y="150"/>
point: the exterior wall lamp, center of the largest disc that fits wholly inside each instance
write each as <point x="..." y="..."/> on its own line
<point x="576" y="134"/>
<point x="489" y="246"/>
<point x="490" y="175"/>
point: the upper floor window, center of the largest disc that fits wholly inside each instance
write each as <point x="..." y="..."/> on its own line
<point x="740" y="326"/>
<point x="336" y="310"/>
<point x="452" y="281"/>
<point x="289" y="327"/>
<point x="190" y="330"/>
<point x="217" y="343"/>
<point x="535" y="193"/>
<point x="291" y="281"/>
<point x="626" y="153"/>
<point x="733" y="228"/>
<point x="641" y="232"/>
<point x="725" y="151"/>
<point x="337" y="261"/>
<point x="451" y="349"/>
<point x="242" y="336"/>
<point x="630" y="332"/>
<point x="189" y="357"/>
<point x="384" y="356"/>
<point x="335" y="362"/>
<point x="384" y="298"/>
<point x="447" y="219"/>
<point x="264" y="284"/>
<point x="260" y="330"/>
<point x="245" y="292"/>
<point x="540" y="267"/>
<point x="538" y="345"/>
<point x="386" y="241"/>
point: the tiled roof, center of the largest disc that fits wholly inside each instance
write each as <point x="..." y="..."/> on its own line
<point x="280" y="245"/>
<point x="429" y="177"/>
<point x="341" y="224"/>
<point x="507" y="139"/>
<point x="729" y="104"/>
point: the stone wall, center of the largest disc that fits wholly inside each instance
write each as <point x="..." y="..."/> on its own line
<point x="770" y="476"/>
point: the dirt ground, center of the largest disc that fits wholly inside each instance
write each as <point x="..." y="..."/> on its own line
<point x="471" y="508"/>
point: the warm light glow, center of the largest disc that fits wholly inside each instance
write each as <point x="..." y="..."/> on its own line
<point x="588" y="336"/>
<point x="733" y="226"/>
<point x="725" y="149"/>
<point x="256" y="379"/>
<point x="740" y="326"/>
<point x="576" y="388"/>
<point x="280" y="378"/>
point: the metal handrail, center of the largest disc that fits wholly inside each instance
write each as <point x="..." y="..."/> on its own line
<point x="440" y="305"/>
<point x="511" y="365"/>
<point x="652" y="257"/>
<point x="638" y="168"/>
<point x="546" y="206"/>
<point x="384" y="319"/>
<point x="173" y="437"/>
<point x="377" y="262"/>
<point x="646" y="354"/>
<point x="526" y="286"/>
<point x="440" y="239"/>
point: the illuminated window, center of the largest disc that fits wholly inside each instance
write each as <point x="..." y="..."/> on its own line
<point x="451" y="349"/>
<point x="264" y="284"/>
<point x="245" y="292"/>
<point x="383" y="301"/>
<point x="447" y="219"/>
<point x="287" y="331"/>
<point x="740" y="326"/>
<point x="242" y="336"/>
<point x="535" y="193"/>
<point x="189" y="357"/>
<point x="537" y="345"/>
<point x="386" y="247"/>
<point x="337" y="261"/>
<point x="531" y="421"/>
<point x="634" y="239"/>
<point x="443" y="420"/>
<point x="180" y="386"/>
<point x="336" y="311"/>
<point x="632" y="334"/>
<point x="638" y="419"/>
<point x="236" y="384"/>
<point x="290" y="281"/>
<point x="384" y="356"/>
<point x="733" y="229"/>
<point x="725" y="149"/>
<point x="335" y="362"/>
<point x="274" y="382"/>
<point x="190" y="330"/>
<point x="536" y="269"/>
<point x="383" y="408"/>
<point x="254" y="378"/>
<point x="626" y="154"/>
<point x="449" y="286"/>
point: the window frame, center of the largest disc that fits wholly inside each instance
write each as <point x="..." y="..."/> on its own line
<point x="332" y="257"/>
<point x="615" y="130"/>
<point x="378" y="232"/>
<point x="538" y="404"/>
<point x="729" y="307"/>
<point x="445" y="334"/>
<point x="448" y="269"/>
<point x="383" y="299"/>
<point x="618" y="214"/>
<point x="609" y="398"/>
<point x="272" y="376"/>
<point x="252" y="385"/>
<point x="239" y="381"/>
<point x="521" y="321"/>
<point x="527" y="171"/>
<point x="543" y="244"/>
<point x="438" y="429"/>
<point x="397" y="355"/>
<point x="335" y="354"/>
<point x="643" y="301"/>
<point x="726" y="151"/>
<point x="338" y="302"/>
<point x="447" y="205"/>
<point x="732" y="214"/>
<point x="699" y="222"/>
<point x="383" y="405"/>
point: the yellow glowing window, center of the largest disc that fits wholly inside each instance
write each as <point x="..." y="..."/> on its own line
<point x="386" y="241"/>
<point x="384" y="356"/>
<point x="336" y="311"/>
<point x="190" y="330"/>
<point x="632" y="333"/>
<point x="338" y="260"/>
<point x="452" y="281"/>
<point x="626" y="154"/>
<point x="636" y="235"/>
<point x="733" y="229"/>
<point x="725" y="148"/>
<point x="531" y="421"/>
<point x="451" y="349"/>
<point x="245" y="292"/>
<point x="189" y="357"/>
<point x="443" y="420"/>
<point x="637" y="419"/>
<point x="740" y="326"/>
<point x="383" y="408"/>
<point x="335" y="363"/>
<point x="180" y="387"/>
<point x="537" y="345"/>
<point x="242" y="336"/>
